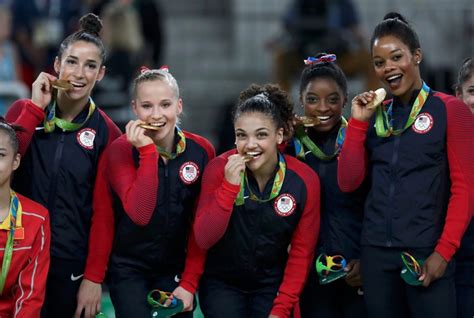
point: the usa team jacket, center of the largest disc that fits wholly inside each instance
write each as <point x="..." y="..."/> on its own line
<point x="341" y="213"/>
<point x="421" y="180"/>
<point x="24" y="290"/>
<point x="157" y="201"/>
<point x="58" y="170"/>
<point x="249" y="245"/>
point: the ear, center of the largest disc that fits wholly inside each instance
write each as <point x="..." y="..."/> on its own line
<point x="16" y="161"/>
<point x="57" y="65"/>
<point x="344" y="102"/>
<point x="101" y="73"/>
<point x="280" y="135"/>
<point x="418" y="56"/>
<point x="458" y="93"/>
<point x="180" y="106"/>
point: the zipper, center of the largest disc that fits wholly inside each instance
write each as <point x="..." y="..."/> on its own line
<point x="391" y="191"/>
<point x="54" y="175"/>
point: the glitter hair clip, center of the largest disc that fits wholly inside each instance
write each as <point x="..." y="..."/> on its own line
<point x="328" y="58"/>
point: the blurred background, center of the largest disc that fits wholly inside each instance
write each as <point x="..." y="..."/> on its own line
<point x="216" y="48"/>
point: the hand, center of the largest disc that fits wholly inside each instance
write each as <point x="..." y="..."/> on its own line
<point x="433" y="269"/>
<point x="273" y="316"/>
<point x="235" y="165"/>
<point x="353" y="277"/>
<point x="359" y="111"/>
<point x="136" y="134"/>
<point x="186" y="297"/>
<point x="41" y="90"/>
<point x="88" y="299"/>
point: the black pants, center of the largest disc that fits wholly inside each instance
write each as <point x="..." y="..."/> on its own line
<point x="219" y="300"/>
<point x="465" y="288"/>
<point x="129" y="288"/>
<point x="64" y="280"/>
<point x="334" y="300"/>
<point x="387" y="295"/>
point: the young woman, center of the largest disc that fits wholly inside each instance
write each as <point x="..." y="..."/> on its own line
<point x="417" y="149"/>
<point x="465" y="256"/>
<point x="24" y="239"/>
<point x="258" y="215"/>
<point x="323" y="94"/>
<point x="155" y="171"/>
<point x="65" y="135"/>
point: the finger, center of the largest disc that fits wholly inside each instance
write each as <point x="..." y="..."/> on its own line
<point x="79" y="310"/>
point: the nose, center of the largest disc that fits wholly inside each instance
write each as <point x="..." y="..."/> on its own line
<point x="156" y="112"/>
<point x="251" y="143"/>
<point x="388" y="67"/>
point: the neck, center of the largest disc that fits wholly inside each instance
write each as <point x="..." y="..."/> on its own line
<point x="69" y="109"/>
<point x="166" y="143"/>
<point x="405" y="98"/>
<point x="266" y="172"/>
<point x="4" y="201"/>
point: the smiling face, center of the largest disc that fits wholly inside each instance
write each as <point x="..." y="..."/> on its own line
<point x="9" y="159"/>
<point x="81" y="65"/>
<point x="324" y="99"/>
<point x="256" y="134"/>
<point x="396" y="66"/>
<point x="156" y="104"/>
<point x="466" y="92"/>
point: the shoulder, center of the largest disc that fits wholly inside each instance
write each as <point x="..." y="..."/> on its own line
<point x="202" y="142"/>
<point x="32" y="208"/>
<point x="112" y="128"/>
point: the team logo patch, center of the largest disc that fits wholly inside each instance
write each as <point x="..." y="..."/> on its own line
<point x="423" y="123"/>
<point x="285" y="204"/>
<point x="189" y="172"/>
<point x="85" y="138"/>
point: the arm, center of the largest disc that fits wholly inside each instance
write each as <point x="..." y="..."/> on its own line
<point x="29" y="296"/>
<point x="459" y="143"/>
<point x="353" y="161"/>
<point x="215" y="204"/>
<point x="26" y="114"/>
<point x="301" y="253"/>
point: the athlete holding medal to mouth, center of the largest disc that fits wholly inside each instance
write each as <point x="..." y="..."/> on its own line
<point x="417" y="151"/>
<point x="64" y="139"/>
<point x="323" y="94"/>
<point x="154" y="170"/>
<point x="24" y="239"/>
<point x="258" y="215"/>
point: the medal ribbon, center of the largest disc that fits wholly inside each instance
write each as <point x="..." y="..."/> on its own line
<point x="302" y="138"/>
<point x="15" y="222"/>
<point x="51" y="120"/>
<point x="180" y="147"/>
<point x="277" y="184"/>
<point x="384" y="120"/>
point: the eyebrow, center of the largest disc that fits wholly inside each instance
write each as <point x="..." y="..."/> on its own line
<point x="76" y="58"/>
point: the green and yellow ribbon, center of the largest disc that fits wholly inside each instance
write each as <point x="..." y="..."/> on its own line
<point x="15" y="223"/>
<point x="302" y="140"/>
<point x="277" y="184"/>
<point x="51" y="121"/>
<point x="180" y="146"/>
<point x="384" y="120"/>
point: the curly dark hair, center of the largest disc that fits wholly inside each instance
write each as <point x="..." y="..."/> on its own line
<point x="89" y="32"/>
<point x="396" y="25"/>
<point x="269" y="99"/>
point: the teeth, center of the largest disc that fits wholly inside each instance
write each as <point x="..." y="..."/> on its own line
<point x="391" y="78"/>
<point x="253" y="153"/>
<point x="324" y="117"/>
<point x="77" y="84"/>
<point x="157" y="124"/>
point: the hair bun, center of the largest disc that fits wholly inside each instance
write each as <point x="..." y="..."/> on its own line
<point x="91" y="23"/>
<point x="395" y="15"/>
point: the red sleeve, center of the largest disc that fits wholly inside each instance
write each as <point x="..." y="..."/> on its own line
<point x="102" y="226"/>
<point x="352" y="164"/>
<point x="26" y="114"/>
<point x="136" y="187"/>
<point x="194" y="267"/>
<point x="460" y="148"/>
<point x="215" y="204"/>
<point x="301" y="253"/>
<point x="29" y="295"/>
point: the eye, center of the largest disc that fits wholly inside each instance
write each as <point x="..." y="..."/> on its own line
<point x="397" y="57"/>
<point x="146" y="106"/>
<point x="166" y="105"/>
<point x="311" y="99"/>
<point x="92" y="66"/>
<point x="240" y="135"/>
<point x="334" y="100"/>
<point x="70" y="61"/>
<point x="378" y="64"/>
<point x="262" y="135"/>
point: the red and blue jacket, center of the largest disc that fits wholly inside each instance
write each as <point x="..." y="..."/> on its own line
<point x="58" y="170"/>
<point x="421" y="180"/>
<point x="259" y="244"/>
